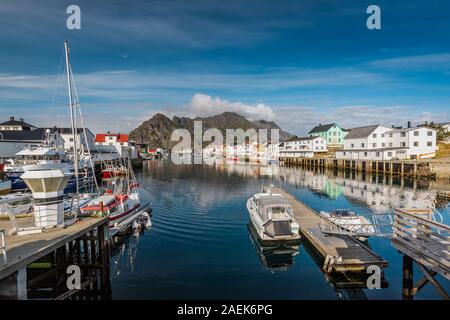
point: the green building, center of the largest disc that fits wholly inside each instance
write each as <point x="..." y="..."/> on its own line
<point x="332" y="132"/>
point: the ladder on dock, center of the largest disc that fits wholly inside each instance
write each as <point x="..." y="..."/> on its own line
<point x="340" y="252"/>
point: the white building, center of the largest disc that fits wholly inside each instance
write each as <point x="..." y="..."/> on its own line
<point x="303" y="147"/>
<point x="383" y="143"/>
<point x="82" y="144"/>
<point x="119" y="141"/>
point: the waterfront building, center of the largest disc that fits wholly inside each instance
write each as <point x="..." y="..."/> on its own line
<point x="13" y="141"/>
<point x="16" y="125"/>
<point x="332" y="133"/>
<point x="302" y="147"/>
<point x="119" y="141"/>
<point x="82" y="143"/>
<point x="378" y="142"/>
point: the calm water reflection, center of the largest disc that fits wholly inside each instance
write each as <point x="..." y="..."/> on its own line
<point x="200" y="245"/>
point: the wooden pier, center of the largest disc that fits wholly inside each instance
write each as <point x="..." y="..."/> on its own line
<point x="340" y="253"/>
<point x="411" y="168"/>
<point x="34" y="259"/>
<point x="425" y="242"/>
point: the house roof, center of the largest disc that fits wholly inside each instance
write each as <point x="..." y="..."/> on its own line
<point x="69" y="130"/>
<point x="299" y="139"/>
<point x="14" y="122"/>
<point x="101" y="137"/>
<point x="19" y="135"/>
<point x="410" y="129"/>
<point x="361" y="132"/>
<point x="322" y="128"/>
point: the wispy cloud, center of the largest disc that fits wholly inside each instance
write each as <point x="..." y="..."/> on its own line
<point x="429" y="62"/>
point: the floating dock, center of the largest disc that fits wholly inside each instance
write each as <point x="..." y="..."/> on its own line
<point x="341" y="253"/>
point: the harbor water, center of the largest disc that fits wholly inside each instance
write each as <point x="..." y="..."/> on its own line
<point x="200" y="245"/>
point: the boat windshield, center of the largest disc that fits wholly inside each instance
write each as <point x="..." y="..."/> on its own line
<point x="342" y="213"/>
<point x="280" y="212"/>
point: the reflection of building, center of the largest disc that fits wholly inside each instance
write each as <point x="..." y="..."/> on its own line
<point x="382" y="143"/>
<point x="380" y="196"/>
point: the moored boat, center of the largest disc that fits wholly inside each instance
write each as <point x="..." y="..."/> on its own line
<point x="272" y="217"/>
<point x="351" y="222"/>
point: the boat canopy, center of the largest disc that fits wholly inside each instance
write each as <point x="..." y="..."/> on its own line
<point x="342" y="213"/>
<point x="274" y="208"/>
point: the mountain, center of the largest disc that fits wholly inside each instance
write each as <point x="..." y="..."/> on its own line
<point x="158" y="130"/>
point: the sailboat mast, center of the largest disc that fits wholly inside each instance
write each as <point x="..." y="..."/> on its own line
<point x="72" y="116"/>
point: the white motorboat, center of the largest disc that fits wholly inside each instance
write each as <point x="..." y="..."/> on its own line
<point x="272" y="217"/>
<point x="351" y="222"/>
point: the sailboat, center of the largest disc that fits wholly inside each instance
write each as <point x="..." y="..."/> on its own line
<point x="122" y="203"/>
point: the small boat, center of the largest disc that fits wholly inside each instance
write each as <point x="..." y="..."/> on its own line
<point x="113" y="171"/>
<point x="351" y="222"/>
<point x="272" y="217"/>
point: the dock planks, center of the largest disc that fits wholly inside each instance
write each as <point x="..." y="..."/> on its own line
<point x="354" y="255"/>
<point x="23" y="250"/>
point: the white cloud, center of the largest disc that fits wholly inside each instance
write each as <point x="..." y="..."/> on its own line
<point x="205" y="105"/>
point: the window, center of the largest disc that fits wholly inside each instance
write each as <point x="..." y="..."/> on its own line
<point x="353" y="145"/>
<point x="402" y="134"/>
<point x="382" y="135"/>
<point x="383" y="144"/>
<point x="374" y="145"/>
<point x="329" y="139"/>
<point x="416" y="133"/>
<point x="334" y="133"/>
<point x="344" y="153"/>
<point x="362" y="145"/>
<point x="390" y="144"/>
<point x="365" y="154"/>
<point x="71" y="139"/>
<point x="374" y="135"/>
<point x="390" y="154"/>
<point x="377" y="153"/>
<point x="390" y="135"/>
<point x="402" y="144"/>
<point x="429" y="133"/>
<point x="416" y="143"/>
<point x="429" y="143"/>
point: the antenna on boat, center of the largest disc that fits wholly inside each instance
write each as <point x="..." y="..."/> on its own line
<point x="72" y="119"/>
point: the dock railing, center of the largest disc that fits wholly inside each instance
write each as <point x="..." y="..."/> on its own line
<point x="425" y="242"/>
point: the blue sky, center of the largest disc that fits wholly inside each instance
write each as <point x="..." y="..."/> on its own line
<point x="298" y="63"/>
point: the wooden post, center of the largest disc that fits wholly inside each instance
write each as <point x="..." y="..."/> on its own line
<point x="408" y="278"/>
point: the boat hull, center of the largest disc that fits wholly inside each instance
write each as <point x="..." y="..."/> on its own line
<point x="261" y="227"/>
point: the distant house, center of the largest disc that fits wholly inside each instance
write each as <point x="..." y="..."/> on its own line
<point x="332" y="133"/>
<point x="16" y="125"/>
<point x="302" y="147"/>
<point x="119" y="141"/>
<point x="377" y="142"/>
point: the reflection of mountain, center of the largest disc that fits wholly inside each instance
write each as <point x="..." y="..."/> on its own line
<point x="273" y="258"/>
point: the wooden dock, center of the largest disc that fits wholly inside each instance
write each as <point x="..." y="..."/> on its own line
<point x="340" y="252"/>
<point x="425" y="242"/>
<point x="84" y="243"/>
